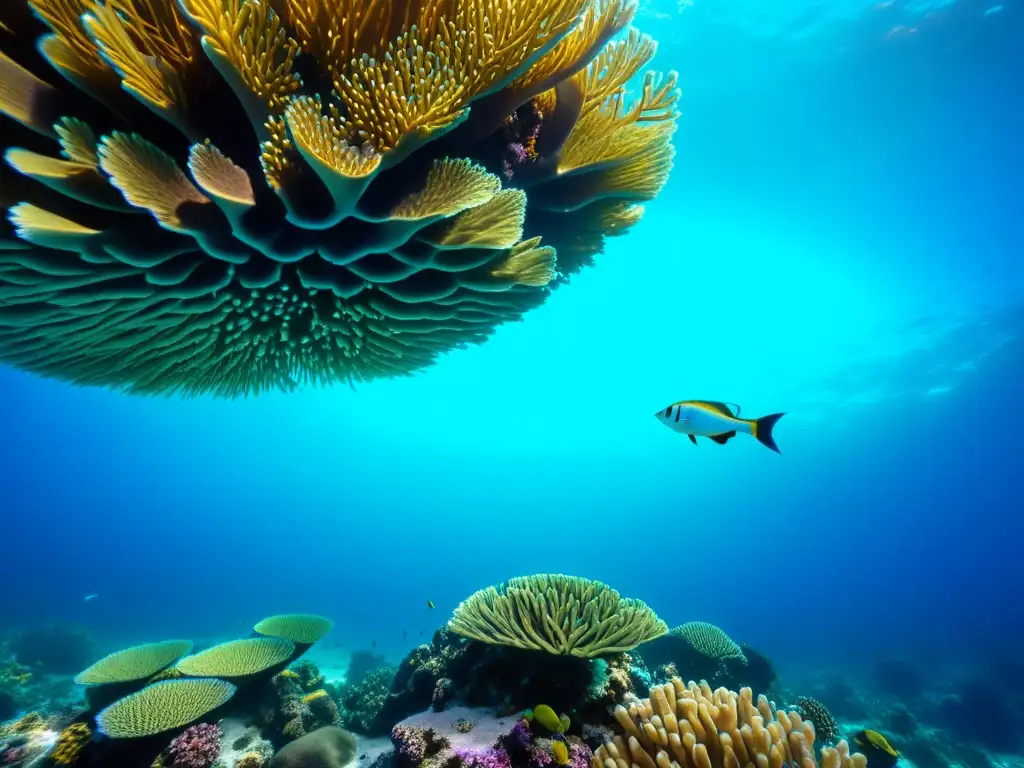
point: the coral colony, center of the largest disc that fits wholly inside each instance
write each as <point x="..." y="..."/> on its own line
<point x="539" y="671"/>
<point x="233" y="196"/>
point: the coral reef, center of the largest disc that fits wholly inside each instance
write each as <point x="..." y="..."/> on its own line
<point x="362" y="703"/>
<point x="308" y="675"/>
<point x="558" y="614"/>
<point x="252" y="195"/>
<point x="362" y="663"/>
<point x="693" y="726"/>
<point x="242" y="744"/>
<point x="197" y="747"/>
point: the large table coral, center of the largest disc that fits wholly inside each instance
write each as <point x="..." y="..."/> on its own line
<point x="231" y="196"/>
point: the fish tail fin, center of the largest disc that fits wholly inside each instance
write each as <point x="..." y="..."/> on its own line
<point x="762" y="430"/>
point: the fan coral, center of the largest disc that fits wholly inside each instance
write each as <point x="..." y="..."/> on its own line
<point x="70" y="743"/>
<point x="563" y="615"/>
<point x="197" y="747"/>
<point x="689" y="726"/>
<point x="139" y="662"/>
<point x="253" y="194"/>
<point x="238" y="658"/>
<point x="825" y="726"/>
<point x="162" y="706"/>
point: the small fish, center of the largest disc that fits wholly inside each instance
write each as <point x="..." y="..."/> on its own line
<point x="716" y="420"/>
<point x="430" y="604"/>
<point x="877" y="748"/>
<point x="87" y="598"/>
<point x="405" y="633"/>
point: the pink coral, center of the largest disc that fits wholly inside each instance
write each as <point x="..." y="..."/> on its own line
<point x="410" y="743"/>
<point x="488" y="758"/>
<point x="197" y="747"/>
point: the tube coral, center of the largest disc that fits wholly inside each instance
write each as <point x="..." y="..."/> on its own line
<point x="234" y="196"/>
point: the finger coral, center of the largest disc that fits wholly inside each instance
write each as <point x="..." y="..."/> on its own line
<point x="691" y="726"/>
<point x="162" y="706"/>
<point x="234" y="196"/>
<point x="563" y="615"/>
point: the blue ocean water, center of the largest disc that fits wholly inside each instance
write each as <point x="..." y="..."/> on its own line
<point x="840" y="239"/>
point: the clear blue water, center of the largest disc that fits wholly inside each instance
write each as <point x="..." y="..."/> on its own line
<point x="840" y="239"/>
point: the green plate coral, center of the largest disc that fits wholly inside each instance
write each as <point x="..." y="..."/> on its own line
<point x="139" y="662"/>
<point x="162" y="707"/>
<point x="708" y="640"/>
<point x="238" y="658"/>
<point x="563" y="615"/>
<point x="300" y="628"/>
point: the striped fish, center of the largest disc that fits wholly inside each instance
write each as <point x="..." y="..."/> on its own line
<point x="717" y="421"/>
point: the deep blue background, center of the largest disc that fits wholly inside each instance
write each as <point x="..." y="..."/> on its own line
<point x="840" y="239"/>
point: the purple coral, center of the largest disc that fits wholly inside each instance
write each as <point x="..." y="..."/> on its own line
<point x="520" y="736"/>
<point x="197" y="747"/>
<point x="490" y="758"/>
<point x="410" y="743"/>
<point x="580" y="756"/>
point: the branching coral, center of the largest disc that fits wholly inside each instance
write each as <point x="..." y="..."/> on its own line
<point x="197" y="747"/>
<point x="253" y="194"/>
<point x="691" y="726"/>
<point x="557" y="614"/>
<point x="70" y="743"/>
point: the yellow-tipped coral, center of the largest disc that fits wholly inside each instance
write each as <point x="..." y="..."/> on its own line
<point x="70" y="743"/>
<point x="235" y="196"/>
<point x="558" y="614"/>
<point x="691" y="726"/>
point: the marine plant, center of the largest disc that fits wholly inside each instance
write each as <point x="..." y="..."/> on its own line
<point x="691" y="726"/>
<point x="250" y="194"/>
<point x="563" y="615"/>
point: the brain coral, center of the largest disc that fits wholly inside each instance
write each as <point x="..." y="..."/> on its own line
<point x="327" y="747"/>
<point x="139" y="662"/>
<point x="237" y="658"/>
<point x="231" y="196"/>
<point x="300" y="628"/>
<point x="162" y="706"/>
<point x="563" y="615"/>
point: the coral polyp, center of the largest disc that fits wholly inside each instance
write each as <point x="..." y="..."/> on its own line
<point x="233" y="196"/>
